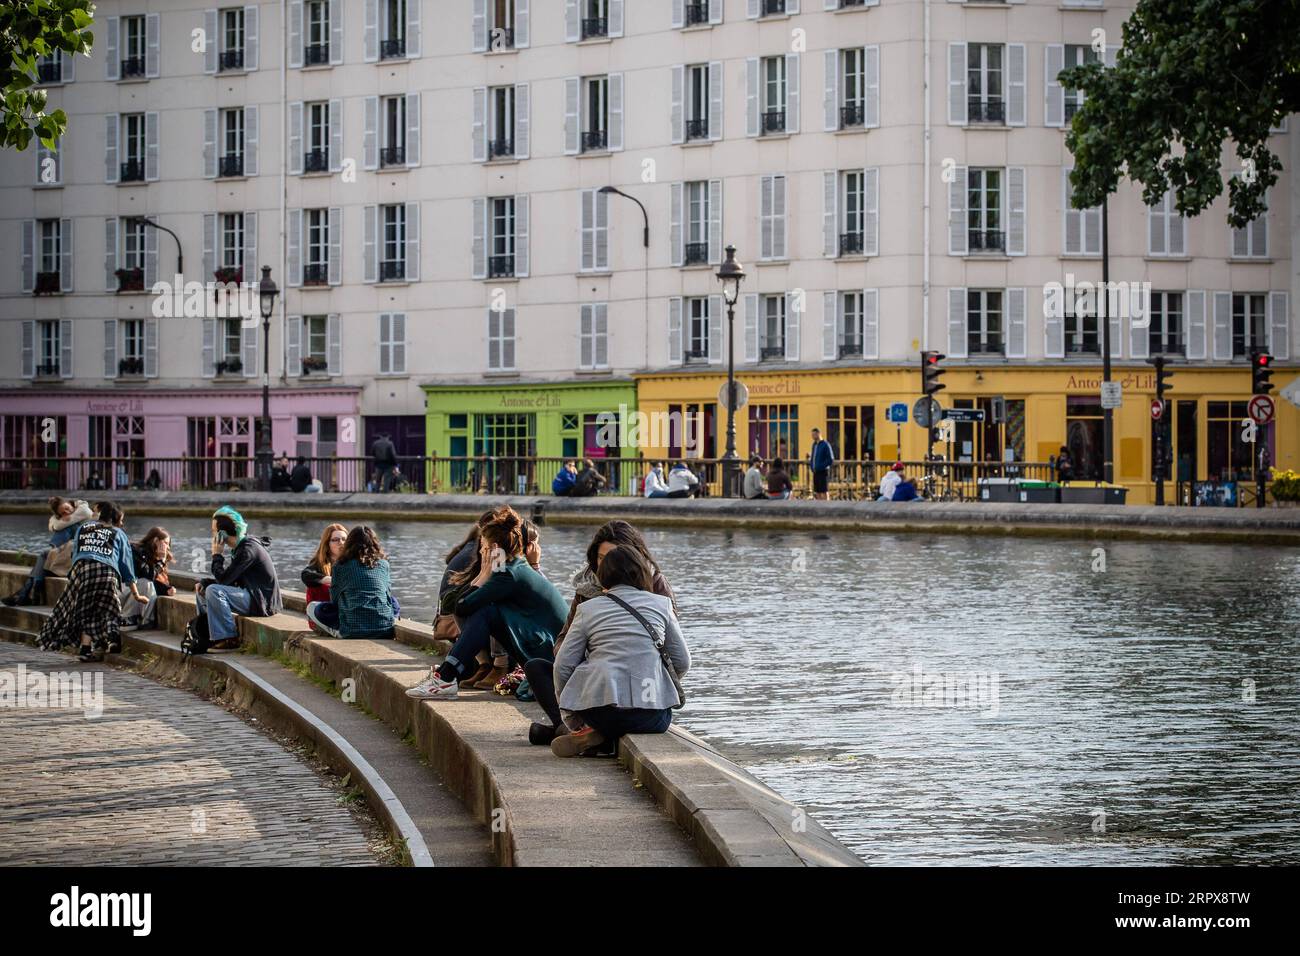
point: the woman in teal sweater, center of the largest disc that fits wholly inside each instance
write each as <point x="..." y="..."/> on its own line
<point x="522" y="609"/>
<point x="361" y="591"/>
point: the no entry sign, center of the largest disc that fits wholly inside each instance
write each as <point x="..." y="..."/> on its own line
<point x="1157" y="409"/>
<point x="1261" y="409"/>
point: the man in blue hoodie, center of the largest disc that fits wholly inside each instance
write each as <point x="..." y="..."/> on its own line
<point x="565" y="480"/>
<point x="823" y="456"/>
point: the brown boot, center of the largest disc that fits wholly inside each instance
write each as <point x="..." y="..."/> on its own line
<point x="476" y="676"/>
<point x="490" y="681"/>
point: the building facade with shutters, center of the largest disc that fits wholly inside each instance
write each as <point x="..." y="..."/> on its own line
<point x="426" y="184"/>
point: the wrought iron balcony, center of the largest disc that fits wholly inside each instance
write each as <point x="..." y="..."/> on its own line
<point x="232" y="164"/>
<point x="851" y="244"/>
<point x="990" y="346"/>
<point x="696" y="253"/>
<point x="697" y="129"/>
<point x="392" y="156"/>
<point x="501" y="267"/>
<point x="1070" y="109"/>
<point x="501" y="38"/>
<point x="392" y="270"/>
<point x="230" y="60"/>
<point x="851" y="3"/>
<point x="316" y="273"/>
<point x="132" y="171"/>
<point x="392" y="49"/>
<point x="51" y="72"/>
<point x="851" y="348"/>
<point x="595" y="27"/>
<point x="595" y="140"/>
<point x="987" y="240"/>
<point x="500" y="148"/>
<point x="316" y="161"/>
<point x="1089" y="345"/>
<point x="132" y="66"/>
<point x="697" y="13"/>
<point x="130" y="366"/>
<point x="772" y="8"/>
<point x="316" y="54"/>
<point x="774" y="121"/>
<point x="853" y="116"/>
<point x="231" y="367"/>
<point x="768" y="352"/>
<point x="130" y="280"/>
<point x="695" y="355"/>
<point x="315" y="364"/>
<point x="47" y="370"/>
<point x="986" y="111"/>
<point x="46" y="283"/>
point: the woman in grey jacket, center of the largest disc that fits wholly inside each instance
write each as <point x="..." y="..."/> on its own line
<point x="609" y="670"/>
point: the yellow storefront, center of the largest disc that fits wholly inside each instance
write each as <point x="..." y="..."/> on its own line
<point x="1029" y="414"/>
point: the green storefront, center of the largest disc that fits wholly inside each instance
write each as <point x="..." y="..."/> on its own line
<point x="512" y="438"/>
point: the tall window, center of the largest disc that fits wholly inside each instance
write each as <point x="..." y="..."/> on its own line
<point x="133" y="146"/>
<point x="697" y="101"/>
<point x="132" y="244"/>
<point x="851" y="430"/>
<point x="1249" y="324"/>
<point x="393" y="41"/>
<point x="501" y="258"/>
<point x="316" y="247"/>
<point x="984" y="210"/>
<point x="50" y="248"/>
<point x="1076" y="54"/>
<point x="315" y="338"/>
<point x="1082" y="327"/>
<point x="851" y="334"/>
<point x="774" y="431"/>
<point x="1166" y="335"/>
<point x="1227" y="456"/>
<point x="232" y="39"/>
<point x="134" y="44"/>
<point x="852" y="211"/>
<point x="853" y="81"/>
<point x="984" y="321"/>
<point x="984" y="83"/>
<point x="392" y="265"/>
<point x="132" y="354"/>
<point x="774" y="94"/>
<point x="229" y="345"/>
<point x="593" y="336"/>
<point x="772" y="328"/>
<point x="697" y="330"/>
<point x="1084" y="418"/>
<point x="232" y="137"/>
<point x="48" y="345"/>
<point x="501" y="121"/>
<point x="232" y="241"/>
<point x="595" y="18"/>
<point x="697" y="223"/>
<point x="318" y="138"/>
<point x="595" y="113"/>
<point x="501" y="25"/>
<point x="393" y="151"/>
<point x="317" y="49"/>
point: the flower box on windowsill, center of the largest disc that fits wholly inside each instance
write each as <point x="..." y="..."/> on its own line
<point x="230" y="368"/>
<point x="229" y="274"/>
<point x="130" y="368"/>
<point x="47" y="283"/>
<point x="130" y="280"/>
<point x="315" y="366"/>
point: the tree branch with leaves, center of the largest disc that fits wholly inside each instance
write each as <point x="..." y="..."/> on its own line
<point x="29" y="30"/>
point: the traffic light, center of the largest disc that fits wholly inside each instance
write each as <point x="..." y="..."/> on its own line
<point x="930" y="373"/>
<point x="1261" y="370"/>
<point x="1160" y="363"/>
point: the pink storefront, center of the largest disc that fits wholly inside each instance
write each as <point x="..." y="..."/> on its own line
<point x="132" y="432"/>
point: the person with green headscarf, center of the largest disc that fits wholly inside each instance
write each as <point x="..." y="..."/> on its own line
<point x="245" y="581"/>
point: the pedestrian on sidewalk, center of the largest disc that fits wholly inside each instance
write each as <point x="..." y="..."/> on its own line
<point x="589" y="481"/>
<point x="244" y="581"/>
<point x="682" y="482"/>
<point x="655" y="485"/>
<point x="565" y="479"/>
<point x="316" y="576"/>
<point x="616" y="668"/>
<point x="151" y="556"/>
<point x="778" y="480"/>
<point x="65" y="515"/>
<point x="384" y="454"/>
<point x="754" y="478"/>
<point x="362" y="605"/>
<point x="89" y="613"/>
<point x="820" y="461"/>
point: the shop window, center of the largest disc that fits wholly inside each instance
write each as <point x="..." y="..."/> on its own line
<point x="851" y="430"/>
<point x="692" y="431"/>
<point x="1083" y="436"/>
<point x="502" y="442"/>
<point x="1227" y="456"/>
<point x="774" y="431"/>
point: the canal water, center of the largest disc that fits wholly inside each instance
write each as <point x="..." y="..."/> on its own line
<point x="945" y="699"/>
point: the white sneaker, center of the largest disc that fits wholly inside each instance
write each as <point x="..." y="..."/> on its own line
<point x="434" y="687"/>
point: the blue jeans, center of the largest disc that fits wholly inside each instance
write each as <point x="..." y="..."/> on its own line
<point x="221" y="602"/>
<point x="613" y="722"/>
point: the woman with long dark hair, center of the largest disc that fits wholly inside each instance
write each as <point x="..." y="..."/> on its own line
<point x="361" y="590"/>
<point x="65" y="515"/>
<point x="316" y="576"/>
<point x="151" y="555"/>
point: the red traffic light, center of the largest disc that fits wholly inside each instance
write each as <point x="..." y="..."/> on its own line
<point x="1264" y="359"/>
<point x="934" y="358"/>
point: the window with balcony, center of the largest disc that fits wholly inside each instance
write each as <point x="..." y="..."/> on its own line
<point x="316" y="158"/>
<point x="232" y="143"/>
<point x="853" y="84"/>
<point x="133" y="148"/>
<point x="230" y="248"/>
<point x="772" y="8"/>
<point x="315" y="344"/>
<point x="501" y="237"/>
<point x="1249" y="323"/>
<point x="771" y="343"/>
<point x="501" y="122"/>
<point x="852" y="212"/>
<point x="316" y="241"/>
<point x="392" y="152"/>
<point x="49" y="69"/>
<point x="501" y="25"/>
<point x="229" y="350"/>
<point x="316" y="45"/>
<point x="595" y="114"/>
<point x="392" y="43"/>
<point x="774" y="95"/>
<point x="698" y="214"/>
<point x="984" y="321"/>
<point x="1165" y="336"/>
<point x="697" y="102"/>
<point x="130" y="362"/>
<point x="134" y="47"/>
<point x="985" y="232"/>
<point x="49" y="348"/>
<point x="595" y="19"/>
<point x="1076" y="54"/>
<point x="231" y="56"/>
<point x="850" y="341"/>
<point x="49" y="259"/>
<point x="985" y="83"/>
<point x="695" y="342"/>
<point x="392" y="259"/>
<point x="697" y="12"/>
<point x="130" y="273"/>
<point x="1082" y="326"/>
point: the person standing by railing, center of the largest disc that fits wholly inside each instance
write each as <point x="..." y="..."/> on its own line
<point x="384" y="454"/>
<point x="820" y="462"/>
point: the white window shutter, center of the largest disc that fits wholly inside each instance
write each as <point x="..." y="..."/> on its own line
<point x="1222" y="326"/>
<point x="1053" y="335"/>
<point x="336" y="32"/>
<point x="151" y="51"/>
<point x="615" y="13"/>
<point x="211" y="44"/>
<point x="1194" y="312"/>
<point x="385" y="349"/>
<point x="830" y="213"/>
<point x="29" y="254"/>
<point x="791" y="92"/>
<point x="66" y="352"/>
<point x="372" y="29"/>
<point x="523" y="24"/>
<point x="370" y="139"/>
<point x="111" y="168"/>
<point x="1072" y="219"/>
<point x="1016" y="84"/>
<point x="413" y="242"/>
<point x="600" y="329"/>
<point x="957" y="323"/>
<point x="870" y="211"/>
<point x="587" y="232"/>
<point x="752" y="9"/>
<point x="334" y="344"/>
<point x="716" y="99"/>
<point x="678" y="114"/>
<point x="751" y="96"/>
<point x="793" y="325"/>
<point x="679" y="14"/>
<point x="335" y="253"/>
<point x="615" y="111"/>
<point x="151" y="147"/>
<point x="412" y="128"/>
<point x="831" y="95"/>
<point x="150" y="348"/>
<point x="295" y="137"/>
<point x="68" y="68"/>
<point x="294" y="241"/>
<point x="370" y="252"/>
<point x="1156" y="245"/>
<point x="572" y="124"/>
<point x="479" y="128"/>
<point x="209" y="348"/>
<point x="150" y="258"/>
<point x="779" y="221"/>
<point x="112" y="65"/>
<point x="676" y="232"/>
<point x="715" y="221"/>
<point x="252" y="44"/>
<point x="479" y="41"/>
<point x="508" y="339"/>
<point x="956" y="84"/>
<point x="295" y="33"/>
<point x="399" y="343"/>
<point x="1016" y="217"/>
<point x="958" y="236"/>
<point x="830" y="325"/>
<point x="871" y="323"/>
<point x="571" y="21"/>
<point x="250" y="342"/>
<point x="250" y="248"/>
<point x="765" y="224"/>
<point x="791" y="6"/>
<point x="252" y="133"/>
<point x="715" y="11"/>
<point x="1239" y="242"/>
<point x="751" y="327"/>
<point x="586" y="336"/>
<point x="522" y="121"/>
<point x="209" y="246"/>
<point x="67" y="243"/>
<point x="1177" y="229"/>
<point x="601" y="229"/>
<point x="478" y="265"/>
<point x="293" y="345"/>
<point x="1139" y="339"/>
<point x="1279" y="326"/>
<point x="1017" y="330"/>
<point x="871" y="87"/>
<point x="493" y="339"/>
<point x="413" y="37"/>
<point x="110" y="255"/>
<point x="336" y="135"/>
<point x="110" y="348"/>
<point x="29" y="348"/>
<point x="1116" y="321"/>
<point x="521" y="236"/>
<point x="716" y="315"/>
<point x="1053" y="92"/>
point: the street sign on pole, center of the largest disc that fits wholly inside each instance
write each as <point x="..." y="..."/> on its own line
<point x="926" y="412"/>
<point x="898" y="412"/>
<point x="1261" y="409"/>
<point x="1112" y="395"/>
<point x="742" y="395"/>
<point x="1157" y="409"/>
<point x="963" y="414"/>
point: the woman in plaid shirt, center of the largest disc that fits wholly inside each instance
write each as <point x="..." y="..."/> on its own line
<point x="361" y="589"/>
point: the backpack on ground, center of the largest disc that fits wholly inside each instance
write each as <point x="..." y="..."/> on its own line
<point x="197" y="638"/>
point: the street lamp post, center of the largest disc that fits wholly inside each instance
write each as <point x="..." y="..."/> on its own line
<point x="731" y="273"/>
<point x="615" y="191"/>
<point x="266" y="294"/>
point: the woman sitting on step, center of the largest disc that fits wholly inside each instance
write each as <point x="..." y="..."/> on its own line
<point x="65" y="515"/>
<point x="362" y="607"/>
<point x="610" y="670"/>
<point x="508" y="599"/>
<point x="245" y="582"/>
<point x="316" y="576"/>
<point x="89" y="612"/>
<point x="150" y="555"/>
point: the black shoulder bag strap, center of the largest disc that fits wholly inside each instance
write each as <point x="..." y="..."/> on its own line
<point x="659" y="646"/>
